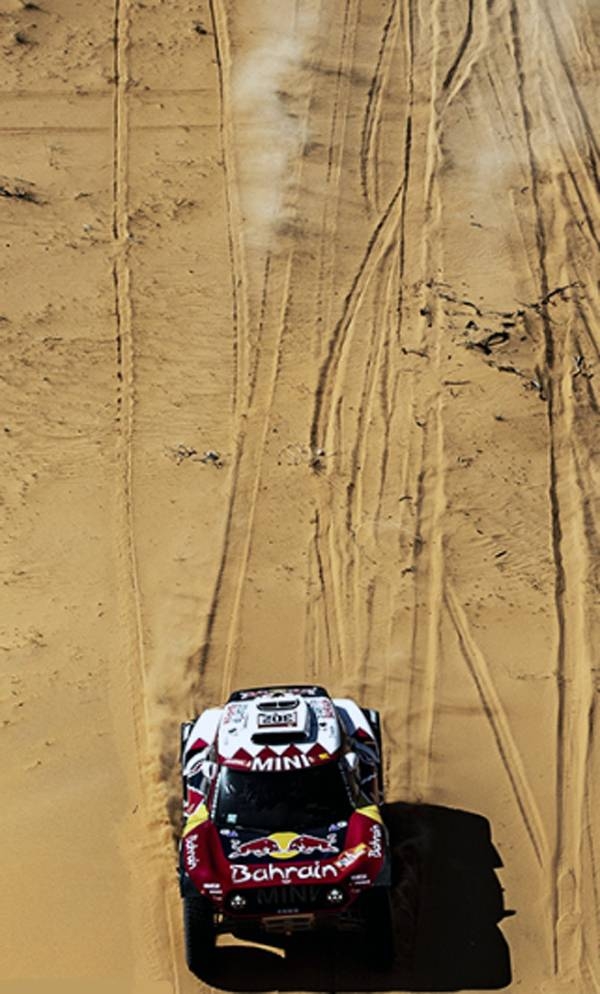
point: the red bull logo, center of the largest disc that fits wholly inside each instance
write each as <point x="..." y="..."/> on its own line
<point x="283" y="845"/>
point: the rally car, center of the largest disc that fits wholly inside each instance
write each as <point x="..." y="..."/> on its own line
<point x="282" y="832"/>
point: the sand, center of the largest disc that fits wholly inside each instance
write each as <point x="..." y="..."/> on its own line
<point x="349" y="250"/>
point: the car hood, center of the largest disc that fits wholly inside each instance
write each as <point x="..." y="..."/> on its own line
<point x="217" y="858"/>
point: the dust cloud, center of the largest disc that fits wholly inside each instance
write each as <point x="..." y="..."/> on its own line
<point x="269" y="102"/>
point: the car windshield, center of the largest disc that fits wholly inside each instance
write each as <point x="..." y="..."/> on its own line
<point x="297" y="799"/>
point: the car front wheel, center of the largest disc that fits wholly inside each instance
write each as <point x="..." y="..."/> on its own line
<point x="199" y="933"/>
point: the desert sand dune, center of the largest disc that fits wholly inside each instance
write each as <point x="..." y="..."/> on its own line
<point x="300" y="339"/>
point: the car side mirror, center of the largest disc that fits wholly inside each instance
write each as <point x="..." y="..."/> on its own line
<point x="209" y="769"/>
<point x="351" y="761"/>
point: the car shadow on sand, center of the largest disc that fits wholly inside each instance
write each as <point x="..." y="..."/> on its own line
<point x="457" y="943"/>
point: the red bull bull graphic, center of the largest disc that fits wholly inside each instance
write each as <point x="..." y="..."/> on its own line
<point x="256" y="848"/>
<point x="306" y="845"/>
<point x="283" y="845"/>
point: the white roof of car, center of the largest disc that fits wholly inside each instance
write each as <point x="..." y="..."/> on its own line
<point x="278" y="729"/>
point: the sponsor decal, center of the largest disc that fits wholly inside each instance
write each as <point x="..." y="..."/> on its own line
<point x="235" y="713"/>
<point x="277" y="764"/>
<point x="191" y="854"/>
<point x="361" y="879"/>
<point x="212" y="890"/>
<point x="375" y="842"/>
<point x="271" y="873"/>
<point x="287" y="719"/>
<point x="350" y="856"/>
<point x="324" y="708"/>
<point x="294" y="894"/>
<point x="195" y="765"/>
<point x="283" y="845"/>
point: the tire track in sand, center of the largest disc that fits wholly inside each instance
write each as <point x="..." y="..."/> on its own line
<point x="257" y="382"/>
<point x="583" y="184"/>
<point x="374" y="370"/>
<point x="575" y="484"/>
<point x="246" y="475"/>
<point x="382" y="368"/>
<point x="575" y="691"/>
<point x="263" y="352"/>
<point x="244" y="377"/>
<point x="568" y="550"/>
<point x="591" y="844"/>
<point x="159" y="920"/>
<point x="355" y="498"/>
<point x="239" y="278"/>
<point x="429" y="460"/>
<point x="340" y="550"/>
<point x="592" y="534"/>
<point x="243" y="507"/>
<point x="429" y="583"/>
<point x="328" y="543"/>
<point x="335" y="153"/>
<point x="391" y="374"/>
<point x="476" y="42"/>
<point x="462" y="48"/>
<point x="592" y="146"/>
<point x="379" y="242"/>
<point x="320" y="609"/>
<point x="372" y="115"/>
<point x="198" y="661"/>
<point x="496" y="716"/>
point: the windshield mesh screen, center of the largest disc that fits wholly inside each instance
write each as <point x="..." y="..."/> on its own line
<point x="295" y="800"/>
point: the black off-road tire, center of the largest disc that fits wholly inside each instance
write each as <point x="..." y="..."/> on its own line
<point x="380" y="939"/>
<point x="199" y="933"/>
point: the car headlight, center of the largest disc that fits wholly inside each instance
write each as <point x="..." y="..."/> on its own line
<point x="335" y="895"/>
<point x="237" y="902"/>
